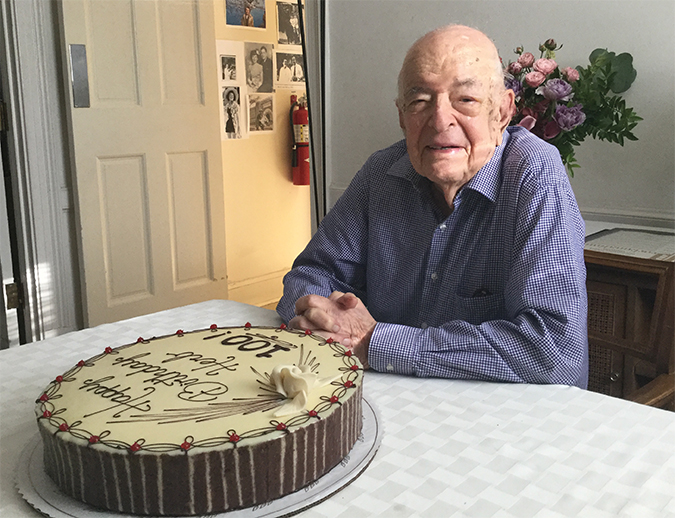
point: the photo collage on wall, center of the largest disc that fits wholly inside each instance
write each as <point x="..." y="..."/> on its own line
<point x="251" y="71"/>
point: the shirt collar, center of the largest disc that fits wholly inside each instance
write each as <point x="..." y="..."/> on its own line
<point x="486" y="181"/>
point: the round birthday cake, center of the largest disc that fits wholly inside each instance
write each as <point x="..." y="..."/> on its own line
<point x="201" y="422"/>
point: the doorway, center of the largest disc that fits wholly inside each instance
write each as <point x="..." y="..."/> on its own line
<point x="43" y="256"/>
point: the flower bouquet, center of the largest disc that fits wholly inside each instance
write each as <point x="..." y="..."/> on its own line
<point x="564" y="106"/>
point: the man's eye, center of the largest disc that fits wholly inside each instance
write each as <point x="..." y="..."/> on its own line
<point x="417" y="104"/>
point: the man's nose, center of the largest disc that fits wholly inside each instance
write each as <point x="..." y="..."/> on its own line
<point x="443" y="116"/>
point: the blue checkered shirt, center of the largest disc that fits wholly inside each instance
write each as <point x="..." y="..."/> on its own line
<point x="495" y="291"/>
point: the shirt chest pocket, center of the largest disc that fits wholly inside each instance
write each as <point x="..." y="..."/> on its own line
<point x="478" y="308"/>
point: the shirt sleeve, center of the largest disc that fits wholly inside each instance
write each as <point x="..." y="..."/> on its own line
<point x="542" y="337"/>
<point x="335" y="258"/>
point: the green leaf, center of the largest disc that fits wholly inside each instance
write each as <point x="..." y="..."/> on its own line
<point x="623" y="73"/>
<point x="596" y="55"/>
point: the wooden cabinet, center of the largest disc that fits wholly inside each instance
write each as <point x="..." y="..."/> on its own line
<point x="630" y="321"/>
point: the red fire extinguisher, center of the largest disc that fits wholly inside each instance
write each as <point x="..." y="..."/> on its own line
<point x="300" y="131"/>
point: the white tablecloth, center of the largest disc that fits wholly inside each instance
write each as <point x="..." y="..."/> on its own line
<point x="450" y="448"/>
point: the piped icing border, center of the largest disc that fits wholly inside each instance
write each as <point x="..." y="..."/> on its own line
<point x="49" y="411"/>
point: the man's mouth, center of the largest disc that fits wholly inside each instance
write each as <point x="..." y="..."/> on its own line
<point x="444" y="148"/>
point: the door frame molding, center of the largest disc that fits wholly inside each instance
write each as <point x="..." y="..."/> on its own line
<point x="33" y="81"/>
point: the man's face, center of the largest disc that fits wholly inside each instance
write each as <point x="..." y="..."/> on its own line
<point x="263" y="54"/>
<point x="450" y="119"/>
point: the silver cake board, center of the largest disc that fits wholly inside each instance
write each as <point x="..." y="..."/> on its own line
<point x="45" y="496"/>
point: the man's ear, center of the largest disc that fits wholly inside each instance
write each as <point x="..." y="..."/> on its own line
<point x="507" y="108"/>
<point x="503" y="115"/>
<point x="400" y="116"/>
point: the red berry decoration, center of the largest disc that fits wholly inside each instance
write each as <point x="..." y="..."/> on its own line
<point x="94" y="439"/>
<point x="312" y="413"/>
<point x="329" y="341"/>
<point x="180" y="332"/>
<point x="108" y="350"/>
<point x="80" y="363"/>
<point x="135" y="447"/>
<point x="63" y="427"/>
<point x="308" y="332"/>
<point x="234" y="437"/>
<point x="46" y="413"/>
<point x="354" y="367"/>
<point x="282" y="326"/>
<point x="348" y="352"/>
<point x="333" y="399"/>
<point x="186" y="446"/>
<point x="281" y="426"/>
<point x="59" y="379"/>
<point x="140" y="339"/>
<point x="44" y="397"/>
<point x="247" y="325"/>
<point x="213" y="327"/>
<point x="349" y="383"/>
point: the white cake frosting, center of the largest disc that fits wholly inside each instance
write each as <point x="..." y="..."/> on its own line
<point x="225" y="390"/>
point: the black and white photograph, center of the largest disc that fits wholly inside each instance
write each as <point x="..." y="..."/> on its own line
<point x="246" y="13"/>
<point x="228" y="66"/>
<point x="259" y="67"/>
<point x="261" y="113"/>
<point x="290" y="72"/>
<point x="288" y="24"/>
<point x="232" y="112"/>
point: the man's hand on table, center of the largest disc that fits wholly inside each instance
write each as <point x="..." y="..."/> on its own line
<point x="341" y="316"/>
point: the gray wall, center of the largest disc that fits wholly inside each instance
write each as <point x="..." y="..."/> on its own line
<point x="367" y="40"/>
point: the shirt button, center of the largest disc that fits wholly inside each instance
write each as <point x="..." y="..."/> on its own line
<point x="390" y="367"/>
<point x="424" y="325"/>
<point x="434" y="276"/>
<point x="443" y="226"/>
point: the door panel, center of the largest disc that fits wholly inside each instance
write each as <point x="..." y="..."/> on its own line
<point x="190" y="217"/>
<point x="115" y="76"/>
<point x="125" y="226"/>
<point x="148" y="156"/>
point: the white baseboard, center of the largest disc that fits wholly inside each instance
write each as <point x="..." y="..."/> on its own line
<point x="258" y="291"/>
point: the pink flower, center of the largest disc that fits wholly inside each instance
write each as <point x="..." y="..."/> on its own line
<point x="551" y="130"/>
<point x="515" y="68"/>
<point x="571" y="74"/>
<point x="528" y="122"/>
<point x="545" y="66"/>
<point x="526" y="59"/>
<point x="534" y="79"/>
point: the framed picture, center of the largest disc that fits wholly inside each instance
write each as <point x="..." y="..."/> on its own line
<point x="288" y="24"/>
<point x="259" y="67"/>
<point x="232" y="112"/>
<point x="246" y="13"/>
<point x="290" y="71"/>
<point x="261" y="113"/>
<point x="228" y="68"/>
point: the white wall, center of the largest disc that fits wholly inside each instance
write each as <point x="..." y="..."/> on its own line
<point x="368" y="39"/>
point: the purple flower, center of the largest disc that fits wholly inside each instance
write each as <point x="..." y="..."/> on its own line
<point x="513" y="84"/>
<point x="569" y="117"/>
<point x="556" y="90"/>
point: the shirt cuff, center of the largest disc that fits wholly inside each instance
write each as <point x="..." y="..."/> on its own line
<point x="393" y="348"/>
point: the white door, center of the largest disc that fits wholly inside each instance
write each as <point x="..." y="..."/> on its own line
<point x="147" y="156"/>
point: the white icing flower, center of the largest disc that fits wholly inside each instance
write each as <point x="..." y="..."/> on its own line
<point x="295" y="383"/>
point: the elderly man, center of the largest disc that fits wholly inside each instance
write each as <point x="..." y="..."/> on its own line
<point x="458" y="252"/>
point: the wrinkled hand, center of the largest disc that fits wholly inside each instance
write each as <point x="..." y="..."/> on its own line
<point x="341" y="316"/>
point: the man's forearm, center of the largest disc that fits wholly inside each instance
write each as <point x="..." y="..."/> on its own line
<point x="525" y="351"/>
